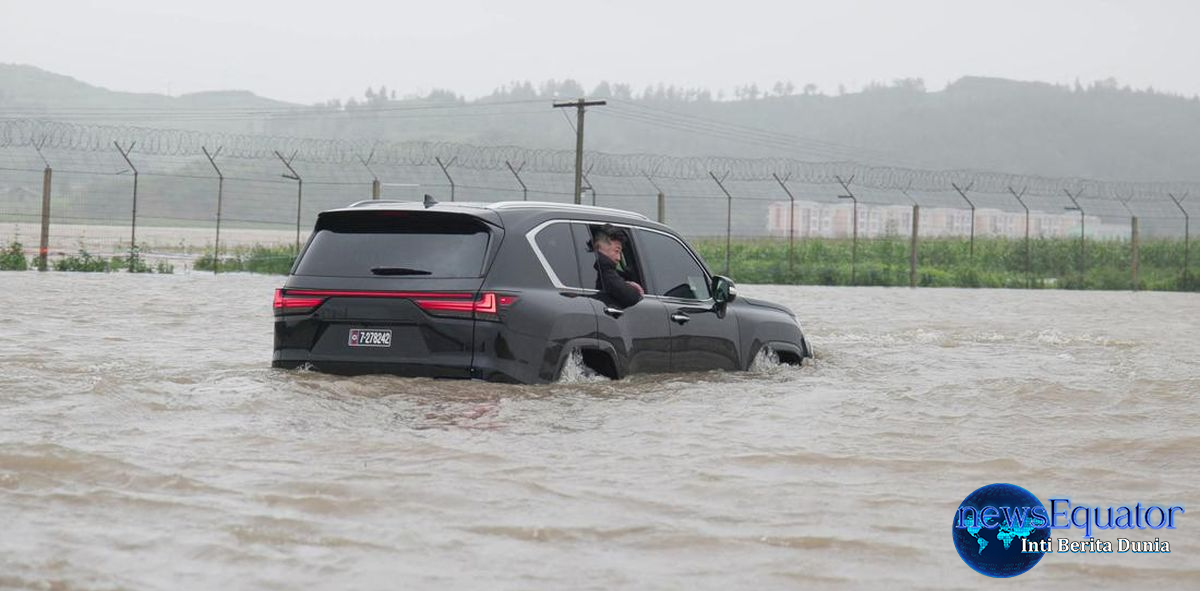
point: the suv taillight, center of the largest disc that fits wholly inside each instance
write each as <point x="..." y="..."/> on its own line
<point x="286" y="303"/>
<point x="488" y="307"/>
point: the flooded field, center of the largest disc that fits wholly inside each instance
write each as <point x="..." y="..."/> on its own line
<point x="146" y="444"/>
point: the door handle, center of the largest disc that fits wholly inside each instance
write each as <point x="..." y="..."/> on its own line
<point x="614" y="312"/>
<point x="680" y="317"/>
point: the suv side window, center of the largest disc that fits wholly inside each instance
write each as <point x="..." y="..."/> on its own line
<point x="672" y="270"/>
<point x="557" y="245"/>
<point x="585" y="255"/>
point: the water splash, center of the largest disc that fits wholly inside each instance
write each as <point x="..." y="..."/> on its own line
<point x="575" y="371"/>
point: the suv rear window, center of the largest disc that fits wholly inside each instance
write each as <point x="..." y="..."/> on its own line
<point x="396" y="243"/>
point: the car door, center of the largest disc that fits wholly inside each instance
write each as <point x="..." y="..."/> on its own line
<point x="638" y="334"/>
<point x="701" y="338"/>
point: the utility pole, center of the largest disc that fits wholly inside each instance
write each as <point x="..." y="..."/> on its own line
<point x="580" y="106"/>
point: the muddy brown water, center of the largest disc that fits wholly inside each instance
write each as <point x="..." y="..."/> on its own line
<point x="146" y="444"/>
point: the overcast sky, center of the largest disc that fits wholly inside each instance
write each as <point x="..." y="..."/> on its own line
<point x="306" y="52"/>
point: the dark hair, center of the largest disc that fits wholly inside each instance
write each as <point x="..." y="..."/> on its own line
<point x="608" y="232"/>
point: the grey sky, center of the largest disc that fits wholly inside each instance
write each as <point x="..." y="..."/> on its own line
<point x="311" y="51"/>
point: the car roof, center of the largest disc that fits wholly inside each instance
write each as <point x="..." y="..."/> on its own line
<point x="476" y="206"/>
<point x="489" y="210"/>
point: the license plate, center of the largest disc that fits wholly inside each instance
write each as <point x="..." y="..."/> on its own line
<point x="366" y="337"/>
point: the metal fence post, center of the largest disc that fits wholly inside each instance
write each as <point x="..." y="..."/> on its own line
<point x="1186" y="232"/>
<point x="662" y="199"/>
<point x="212" y="159"/>
<point x="1082" y="233"/>
<point x="287" y="162"/>
<point x="728" y="215"/>
<point x="47" y="177"/>
<point x="791" y="222"/>
<point x="1028" y="269"/>
<point x="854" y="222"/>
<point x="516" y="173"/>
<point x="375" y="184"/>
<point x="963" y="192"/>
<point x="1133" y="237"/>
<point x="133" y="253"/>
<point x="445" y="171"/>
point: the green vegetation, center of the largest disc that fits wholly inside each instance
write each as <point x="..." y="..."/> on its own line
<point x="275" y="260"/>
<point x="997" y="262"/>
<point x="13" y="258"/>
<point x="85" y="262"/>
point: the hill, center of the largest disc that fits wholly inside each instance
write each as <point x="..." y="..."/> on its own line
<point x="1100" y="131"/>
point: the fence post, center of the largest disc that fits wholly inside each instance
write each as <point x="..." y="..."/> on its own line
<point x="375" y="184"/>
<point x="133" y="253"/>
<point x="212" y="159"/>
<point x="854" y="222"/>
<point x="963" y="192"/>
<point x="791" y="222"/>
<point x="446" y="172"/>
<point x="47" y="177"/>
<point x="728" y="215"/>
<point x="287" y="162"/>
<point x="516" y="172"/>
<point x="662" y="199"/>
<point x="1186" y="232"/>
<point x="1028" y="269"/>
<point x="1082" y="234"/>
<point x="1133" y="238"/>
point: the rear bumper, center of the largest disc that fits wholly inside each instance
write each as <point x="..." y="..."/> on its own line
<point x="459" y="368"/>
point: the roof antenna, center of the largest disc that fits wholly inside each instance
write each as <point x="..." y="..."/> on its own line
<point x="429" y="201"/>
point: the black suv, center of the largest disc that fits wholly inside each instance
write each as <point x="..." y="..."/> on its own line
<point x="508" y="292"/>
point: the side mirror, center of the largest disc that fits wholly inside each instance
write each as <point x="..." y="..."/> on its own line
<point x="724" y="291"/>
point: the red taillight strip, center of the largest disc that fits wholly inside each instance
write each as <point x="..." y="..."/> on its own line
<point x="429" y="301"/>
<point x="377" y="294"/>
<point x="485" y="305"/>
<point x="285" y="302"/>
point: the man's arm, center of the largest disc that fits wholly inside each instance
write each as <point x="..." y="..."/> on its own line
<point x="623" y="292"/>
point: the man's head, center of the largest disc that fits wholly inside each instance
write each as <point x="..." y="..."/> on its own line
<point x="607" y="241"/>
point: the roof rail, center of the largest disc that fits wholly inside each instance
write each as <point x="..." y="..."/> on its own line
<point x="375" y="201"/>
<point x="501" y="205"/>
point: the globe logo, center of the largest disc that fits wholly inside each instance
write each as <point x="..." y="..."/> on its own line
<point x="993" y="525"/>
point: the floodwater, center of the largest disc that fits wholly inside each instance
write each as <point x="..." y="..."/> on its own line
<point x="146" y="444"/>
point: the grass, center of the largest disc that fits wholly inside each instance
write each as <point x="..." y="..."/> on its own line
<point x="949" y="262"/>
<point x="271" y="260"/>
<point x="943" y="262"/>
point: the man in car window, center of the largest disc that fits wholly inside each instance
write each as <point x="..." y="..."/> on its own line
<point x="611" y="281"/>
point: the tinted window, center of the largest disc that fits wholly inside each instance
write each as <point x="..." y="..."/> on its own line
<point x="671" y="269"/>
<point x="383" y="244"/>
<point x="557" y="245"/>
<point x="585" y="254"/>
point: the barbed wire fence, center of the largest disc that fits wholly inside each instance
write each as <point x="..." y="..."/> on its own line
<point x="177" y="193"/>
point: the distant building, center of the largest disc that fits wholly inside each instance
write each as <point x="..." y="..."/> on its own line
<point x="835" y="220"/>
